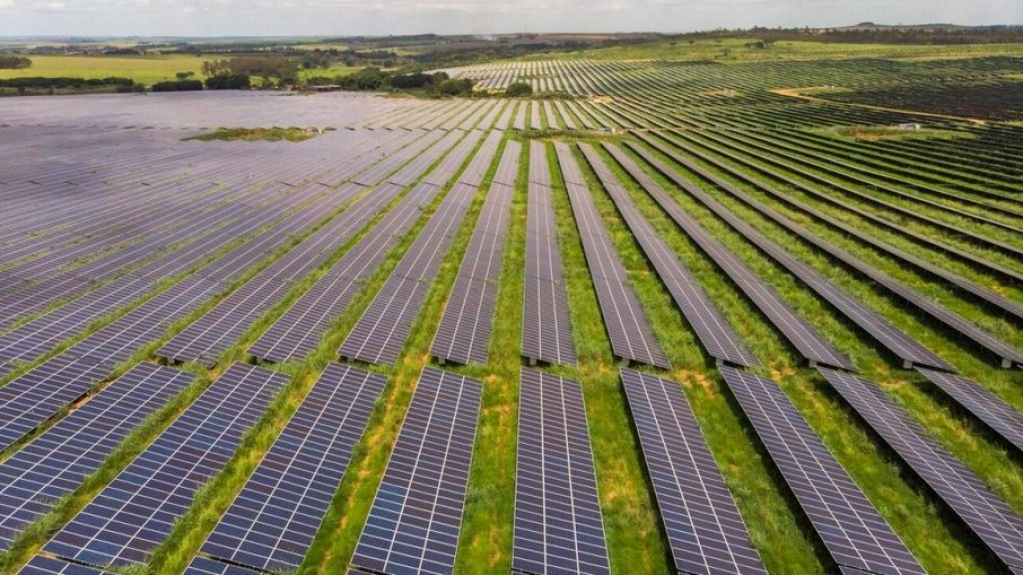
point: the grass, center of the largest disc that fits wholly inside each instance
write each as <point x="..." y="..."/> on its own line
<point x="274" y="134"/>
<point x="145" y="69"/>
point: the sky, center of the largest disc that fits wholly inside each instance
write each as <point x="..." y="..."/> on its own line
<point x="382" y="17"/>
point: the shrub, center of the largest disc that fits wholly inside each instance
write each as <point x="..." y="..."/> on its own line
<point x="519" y="90"/>
<point x="231" y="82"/>
<point x="177" y="86"/>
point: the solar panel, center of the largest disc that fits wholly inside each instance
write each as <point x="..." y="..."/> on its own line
<point x="810" y="344"/>
<point x="464" y="330"/>
<point x="58" y="461"/>
<point x="546" y="328"/>
<point x="41" y="393"/>
<point x="987" y="515"/>
<point x="703" y="525"/>
<point x="416" y="517"/>
<point x="204" y="566"/>
<point x="558" y="526"/>
<point x="630" y="333"/>
<point x="852" y="530"/>
<point x="298" y="331"/>
<point x="206" y="338"/>
<point x="273" y="520"/>
<point x="872" y="323"/>
<point x="716" y="335"/>
<point x="984" y="405"/>
<point x="380" y="334"/>
<point x="40" y="565"/>
<point x="137" y="510"/>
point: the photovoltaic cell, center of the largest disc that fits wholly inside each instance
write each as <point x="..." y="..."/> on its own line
<point x="852" y="530"/>
<point x="706" y="532"/>
<point x="558" y="526"/>
<point x="137" y="510"/>
<point x="58" y="461"/>
<point x="987" y="515"/>
<point x="986" y="406"/>
<point x="273" y="520"/>
<point x="416" y="517"/>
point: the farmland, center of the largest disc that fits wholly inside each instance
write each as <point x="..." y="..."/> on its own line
<point x="666" y="314"/>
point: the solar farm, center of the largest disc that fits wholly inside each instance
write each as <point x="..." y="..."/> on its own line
<point x="662" y="317"/>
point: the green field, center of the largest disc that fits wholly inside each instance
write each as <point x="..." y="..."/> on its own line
<point x="145" y="69"/>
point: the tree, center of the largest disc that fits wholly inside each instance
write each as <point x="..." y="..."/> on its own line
<point x="519" y="90"/>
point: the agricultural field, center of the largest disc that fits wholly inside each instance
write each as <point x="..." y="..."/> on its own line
<point x="663" y="317"/>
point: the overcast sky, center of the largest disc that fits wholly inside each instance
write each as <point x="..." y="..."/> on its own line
<point x="351" y="17"/>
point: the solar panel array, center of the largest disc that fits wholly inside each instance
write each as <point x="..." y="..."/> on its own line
<point x="984" y="405"/>
<point x="631" y="336"/>
<point x="797" y="330"/>
<point x="464" y="331"/>
<point x="1008" y="354"/>
<point x="987" y="515"/>
<point x="872" y="323"/>
<point x="546" y="328"/>
<point x="137" y="510"/>
<point x="40" y="565"/>
<point x="717" y="336"/>
<point x="706" y="532"/>
<point x="416" y="517"/>
<point x="298" y="331"/>
<point x="852" y="530"/>
<point x="218" y="329"/>
<point x="381" y="332"/>
<point x="58" y="461"/>
<point x="273" y="520"/>
<point x="558" y="526"/>
<point x="38" y="395"/>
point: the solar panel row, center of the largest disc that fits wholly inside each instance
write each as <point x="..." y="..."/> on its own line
<point x="631" y="336"/>
<point x="901" y="345"/>
<point x="852" y="530"/>
<point x="988" y="516"/>
<point x="36" y="396"/>
<point x="983" y="404"/>
<point x="716" y="335"/>
<point x="416" y="517"/>
<point x="558" y="526"/>
<point x="206" y="338"/>
<point x="546" y="328"/>
<point x="381" y="332"/>
<point x="58" y="461"/>
<point x="137" y="510"/>
<point x="706" y="532"/>
<point x="1008" y="354"/>
<point x="464" y="330"/>
<point x="273" y="520"/>
<point x="810" y="344"/>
